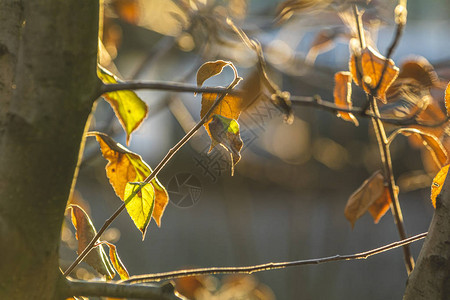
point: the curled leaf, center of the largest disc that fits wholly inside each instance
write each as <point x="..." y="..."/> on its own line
<point x="128" y="107"/>
<point x="437" y="184"/>
<point x="342" y="95"/>
<point x="225" y="131"/>
<point x="125" y="166"/>
<point x="85" y="232"/>
<point x="210" y="69"/>
<point x="366" y="68"/>
<point x="419" y="69"/>
<point x="140" y="206"/>
<point x="366" y="196"/>
<point x="117" y="262"/>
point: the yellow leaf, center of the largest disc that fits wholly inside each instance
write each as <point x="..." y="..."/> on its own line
<point x="210" y="69"/>
<point x="364" y="197"/>
<point x="140" y="207"/>
<point x="225" y="131"/>
<point x="128" y="107"/>
<point x="342" y="95"/>
<point x="125" y="166"/>
<point x="372" y="64"/>
<point x="437" y="184"/>
<point x="85" y="232"/>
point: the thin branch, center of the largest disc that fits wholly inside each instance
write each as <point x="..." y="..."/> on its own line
<point x="164" y="86"/>
<point x="385" y="152"/>
<point x="116" y="290"/>
<point x="269" y="266"/>
<point x="319" y="103"/>
<point x="155" y="172"/>
<point x="400" y="19"/>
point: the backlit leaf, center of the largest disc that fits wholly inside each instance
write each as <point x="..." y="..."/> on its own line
<point x="380" y="206"/>
<point x="210" y="69"/>
<point x="225" y="131"/>
<point x="117" y="262"/>
<point x="447" y="99"/>
<point x="140" y="207"/>
<point x="437" y="184"/>
<point x="128" y="107"/>
<point x="125" y="166"/>
<point x="419" y="69"/>
<point x="436" y="148"/>
<point x="342" y="95"/>
<point x="85" y="232"/>
<point x="366" y="70"/>
<point x="127" y="10"/>
<point x="364" y="197"/>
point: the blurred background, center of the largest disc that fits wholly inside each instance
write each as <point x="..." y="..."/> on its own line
<point x="287" y="197"/>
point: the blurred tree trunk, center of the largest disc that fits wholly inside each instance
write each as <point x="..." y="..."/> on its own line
<point x="430" y="278"/>
<point x="48" y="82"/>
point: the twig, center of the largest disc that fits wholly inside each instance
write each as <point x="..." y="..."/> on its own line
<point x="155" y="172"/>
<point x="385" y="153"/>
<point x="400" y="19"/>
<point x="268" y="266"/>
<point x="165" y="86"/>
<point x="318" y="102"/>
<point x="108" y="289"/>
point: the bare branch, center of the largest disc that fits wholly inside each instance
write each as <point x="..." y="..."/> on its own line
<point x="319" y="103"/>
<point x="116" y="290"/>
<point x="158" y="85"/>
<point x="269" y="266"/>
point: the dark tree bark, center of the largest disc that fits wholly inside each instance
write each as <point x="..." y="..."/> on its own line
<point x="48" y="83"/>
<point x="430" y="278"/>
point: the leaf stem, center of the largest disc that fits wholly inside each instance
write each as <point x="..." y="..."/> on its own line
<point x="269" y="266"/>
<point x="155" y="172"/>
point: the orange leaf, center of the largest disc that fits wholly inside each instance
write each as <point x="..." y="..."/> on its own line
<point x="380" y="206"/>
<point x="366" y="70"/>
<point x="125" y="166"/>
<point x="437" y="184"/>
<point x="128" y="10"/>
<point x="342" y="95"/>
<point x="364" y="197"/>
<point x="117" y="262"/>
<point x="447" y="99"/>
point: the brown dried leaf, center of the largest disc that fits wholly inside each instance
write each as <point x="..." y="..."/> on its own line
<point x="125" y="166"/>
<point x="342" y="95"/>
<point x="85" y="232"/>
<point x="419" y="69"/>
<point x="210" y="69"/>
<point x="364" y="197"/>
<point x="437" y="184"/>
<point x="366" y="70"/>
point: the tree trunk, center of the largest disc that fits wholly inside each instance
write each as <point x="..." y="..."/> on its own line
<point x="430" y="278"/>
<point x="48" y="52"/>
